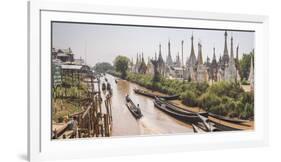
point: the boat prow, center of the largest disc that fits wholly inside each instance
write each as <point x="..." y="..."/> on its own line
<point x="197" y="129"/>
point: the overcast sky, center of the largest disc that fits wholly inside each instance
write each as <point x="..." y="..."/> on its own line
<point x="102" y="43"/>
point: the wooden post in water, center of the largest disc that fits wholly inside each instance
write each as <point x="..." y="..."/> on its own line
<point x="110" y="111"/>
<point x="89" y="121"/>
<point x="106" y="125"/>
<point x="96" y="121"/>
<point x="92" y="120"/>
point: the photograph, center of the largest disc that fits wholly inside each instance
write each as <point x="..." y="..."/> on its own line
<point x="126" y="80"/>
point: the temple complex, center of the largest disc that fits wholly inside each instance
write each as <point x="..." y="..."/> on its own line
<point x="222" y="68"/>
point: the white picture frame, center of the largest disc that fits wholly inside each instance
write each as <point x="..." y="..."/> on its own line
<point x="40" y="146"/>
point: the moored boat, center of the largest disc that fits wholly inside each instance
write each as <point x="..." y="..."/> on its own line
<point x="136" y="112"/>
<point x="222" y="127"/>
<point x="179" y="109"/>
<point x="108" y="86"/>
<point x="172" y="97"/>
<point x="231" y="120"/>
<point x="207" y="125"/>
<point x="103" y="86"/>
<point x="189" y="118"/>
<point x="110" y="92"/>
<point x="196" y="129"/>
<point x="151" y="95"/>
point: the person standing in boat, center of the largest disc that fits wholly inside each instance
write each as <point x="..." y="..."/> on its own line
<point x="127" y="97"/>
<point x="138" y="109"/>
<point x="107" y="96"/>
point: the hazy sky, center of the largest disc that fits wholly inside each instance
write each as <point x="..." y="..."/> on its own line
<point x="102" y="43"/>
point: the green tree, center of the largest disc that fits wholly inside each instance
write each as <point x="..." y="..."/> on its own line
<point x="245" y="64"/>
<point x="156" y="75"/>
<point x="103" y="67"/>
<point x="121" y="65"/>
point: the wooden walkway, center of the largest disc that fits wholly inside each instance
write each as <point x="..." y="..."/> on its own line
<point x="91" y="121"/>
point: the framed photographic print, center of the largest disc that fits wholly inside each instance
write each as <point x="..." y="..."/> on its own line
<point x="107" y="81"/>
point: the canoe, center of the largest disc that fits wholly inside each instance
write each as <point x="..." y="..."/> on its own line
<point x="180" y="109"/>
<point x="189" y="118"/>
<point x="103" y="86"/>
<point x="151" y="95"/>
<point x="196" y="129"/>
<point x="141" y="92"/>
<point x="220" y="127"/>
<point x="110" y="92"/>
<point x="172" y="97"/>
<point x="108" y="86"/>
<point x="231" y="120"/>
<point x="135" y="111"/>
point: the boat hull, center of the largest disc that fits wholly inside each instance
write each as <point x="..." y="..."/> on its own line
<point x="191" y="118"/>
<point x="236" y="121"/>
<point x="136" y="112"/>
<point x="141" y="92"/>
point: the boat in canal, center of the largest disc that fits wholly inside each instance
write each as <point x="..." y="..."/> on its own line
<point x="151" y="95"/>
<point x="179" y="109"/>
<point x="188" y="118"/>
<point x="110" y="92"/>
<point x="103" y="86"/>
<point x="209" y="126"/>
<point x="196" y="129"/>
<point x="108" y="86"/>
<point x="136" y="112"/>
<point x="224" y="118"/>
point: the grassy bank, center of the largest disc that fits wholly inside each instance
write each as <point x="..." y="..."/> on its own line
<point x="222" y="98"/>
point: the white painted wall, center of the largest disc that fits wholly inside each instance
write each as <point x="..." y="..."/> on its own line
<point x="13" y="36"/>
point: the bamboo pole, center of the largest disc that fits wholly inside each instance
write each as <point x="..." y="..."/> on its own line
<point x="106" y="126"/>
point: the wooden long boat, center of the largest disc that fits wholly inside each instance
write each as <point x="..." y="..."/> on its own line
<point x="180" y="109"/>
<point x="196" y="129"/>
<point x="189" y="118"/>
<point x="110" y="92"/>
<point x="151" y="95"/>
<point x="171" y="97"/>
<point x="108" y="86"/>
<point x="136" y="112"/>
<point x="231" y="120"/>
<point x="103" y="86"/>
<point x="208" y="126"/>
<point x="221" y="127"/>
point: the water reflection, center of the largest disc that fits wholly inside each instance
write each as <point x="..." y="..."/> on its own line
<point x="153" y="121"/>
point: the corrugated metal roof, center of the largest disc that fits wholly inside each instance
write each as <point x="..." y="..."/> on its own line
<point x="62" y="55"/>
<point x="71" y="67"/>
<point x="177" y="68"/>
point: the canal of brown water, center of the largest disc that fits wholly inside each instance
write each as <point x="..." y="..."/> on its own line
<point x="153" y="122"/>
